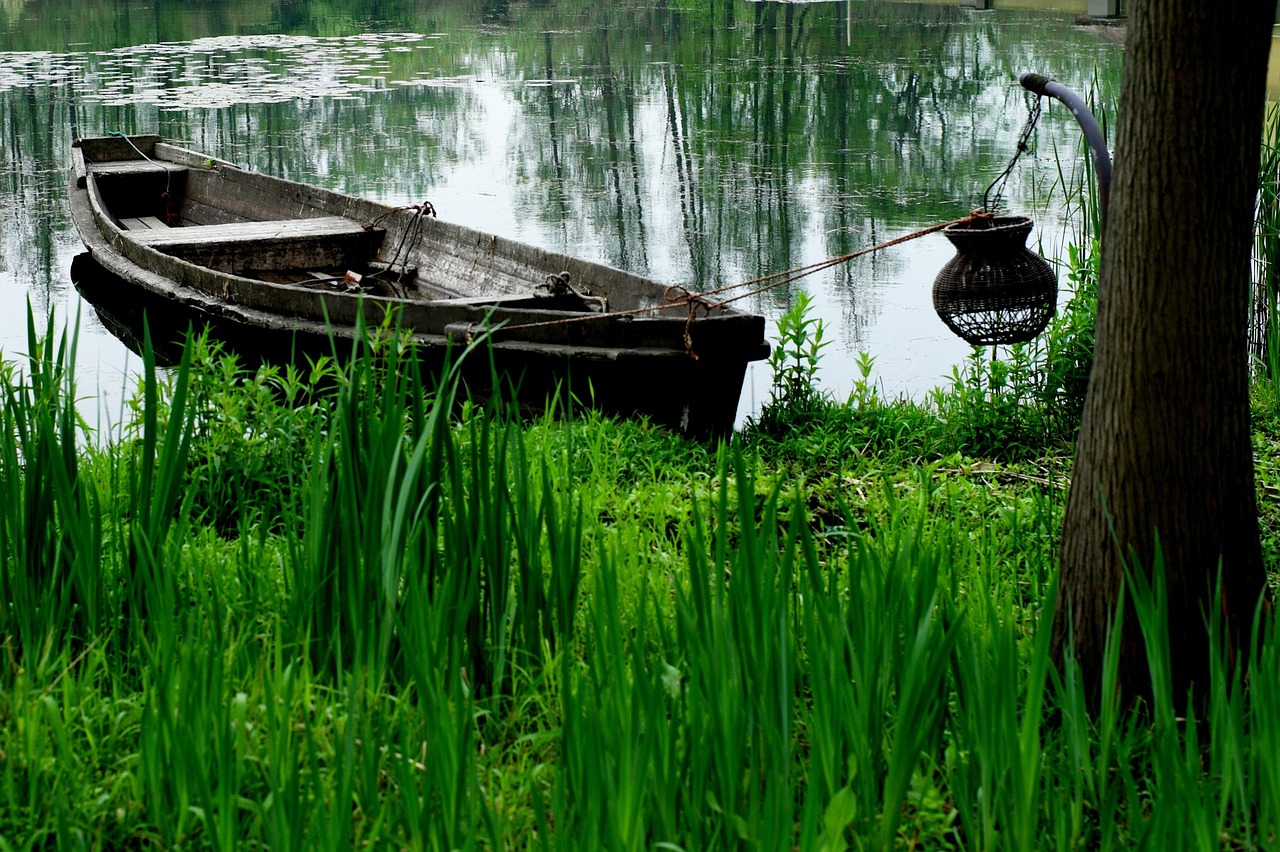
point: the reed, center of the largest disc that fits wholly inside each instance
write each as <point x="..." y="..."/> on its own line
<point x="49" y="597"/>
<point x="1264" y="326"/>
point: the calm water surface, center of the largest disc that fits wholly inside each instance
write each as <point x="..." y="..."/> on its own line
<point x="702" y="143"/>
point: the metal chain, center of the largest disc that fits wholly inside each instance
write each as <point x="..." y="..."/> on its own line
<point x="1024" y="145"/>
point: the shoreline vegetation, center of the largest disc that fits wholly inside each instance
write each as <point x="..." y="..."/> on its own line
<point x="342" y="609"/>
<point x="338" y="608"/>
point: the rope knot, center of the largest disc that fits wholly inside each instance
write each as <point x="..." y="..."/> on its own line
<point x="677" y="294"/>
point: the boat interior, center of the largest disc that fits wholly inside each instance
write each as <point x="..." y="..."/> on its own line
<point x="188" y="214"/>
<point x="213" y="214"/>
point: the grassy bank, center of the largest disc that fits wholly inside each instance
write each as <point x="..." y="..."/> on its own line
<point x="342" y="609"/>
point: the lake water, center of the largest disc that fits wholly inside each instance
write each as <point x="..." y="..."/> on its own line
<point x="701" y="142"/>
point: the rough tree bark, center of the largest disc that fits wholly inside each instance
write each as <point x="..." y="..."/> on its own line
<point x="1164" y="447"/>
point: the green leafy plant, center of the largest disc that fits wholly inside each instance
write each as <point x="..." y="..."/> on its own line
<point x="989" y="408"/>
<point x="1068" y="343"/>
<point x="865" y="394"/>
<point x="472" y="634"/>
<point x="255" y="433"/>
<point x="794" y="361"/>
<point x="1017" y="403"/>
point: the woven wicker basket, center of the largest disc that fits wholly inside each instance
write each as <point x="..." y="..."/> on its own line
<point x="995" y="290"/>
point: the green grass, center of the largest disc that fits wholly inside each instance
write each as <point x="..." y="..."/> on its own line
<point x="345" y="609"/>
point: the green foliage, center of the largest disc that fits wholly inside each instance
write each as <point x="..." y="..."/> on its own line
<point x="1068" y="342"/>
<point x="566" y="635"/>
<point x="794" y="363"/>
<point x="990" y="408"/>
<point x="255" y="432"/>
<point x="1032" y="399"/>
<point x="47" y="594"/>
<point x="76" y="574"/>
<point x="1266" y="453"/>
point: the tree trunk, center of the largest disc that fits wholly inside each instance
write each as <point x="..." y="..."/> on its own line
<point x="1164" y="450"/>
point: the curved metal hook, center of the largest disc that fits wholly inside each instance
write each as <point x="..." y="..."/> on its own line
<point x="1051" y="88"/>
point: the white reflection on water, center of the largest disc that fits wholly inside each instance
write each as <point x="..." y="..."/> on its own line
<point x="222" y="71"/>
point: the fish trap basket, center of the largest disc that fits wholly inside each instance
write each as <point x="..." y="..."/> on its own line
<point x="995" y="290"/>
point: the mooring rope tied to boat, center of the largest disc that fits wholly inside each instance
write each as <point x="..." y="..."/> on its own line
<point x="694" y="301"/>
<point x="408" y="242"/>
<point x="799" y="272"/>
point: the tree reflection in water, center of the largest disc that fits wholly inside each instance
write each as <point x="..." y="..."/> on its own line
<point x="702" y="143"/>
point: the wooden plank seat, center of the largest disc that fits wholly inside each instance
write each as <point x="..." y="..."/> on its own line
<point x="324" y="241"/>
<point x="135" y="167"/>
<point x="319" y="228"/>
<point x="143" y="223"/>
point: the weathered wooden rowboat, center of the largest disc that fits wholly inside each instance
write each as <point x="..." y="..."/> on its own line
<point x="276" y="267"/>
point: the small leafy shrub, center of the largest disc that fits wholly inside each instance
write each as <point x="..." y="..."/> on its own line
<point x="887" y="429"/>
<point x="989" y="410"/>
<point x="1014" y="407"/>
<point x="1009" y="404"/>
<point x="1068" y="343"/>
<point x="255" y="432"/>
<point x="795" y="396"/>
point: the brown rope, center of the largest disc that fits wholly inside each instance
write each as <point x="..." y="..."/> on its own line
<point x="801" y="271"/>
<point x="677" y="295"/>
<point x="425" y="207"/>
<point x="694" y="301"/>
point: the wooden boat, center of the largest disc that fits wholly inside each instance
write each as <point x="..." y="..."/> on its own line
<point x="277" y="267"/>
